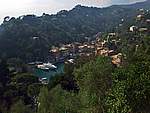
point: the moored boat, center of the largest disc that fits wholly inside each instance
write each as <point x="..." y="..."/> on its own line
<point x="46" y="66"/>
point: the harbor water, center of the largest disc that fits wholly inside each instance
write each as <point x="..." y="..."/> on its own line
<point x="49" y="73"/>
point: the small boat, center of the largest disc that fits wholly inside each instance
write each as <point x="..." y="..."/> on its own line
<point x="42" y="67"/>
<point x="71" y="61"/>
<point x="43" y="80"/>
<point x="31" y="63"/>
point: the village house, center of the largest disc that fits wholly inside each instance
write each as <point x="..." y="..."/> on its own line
<point x="139" y="17"/>
<point x="148" y="20"/>
<point x="102" y="51"/>
<point x="117" y="59"/>
<point x="54" y="49"/>
<point x="143" y="29"/>
<point x="133" y="28"/>
<point x="111" y="36"/>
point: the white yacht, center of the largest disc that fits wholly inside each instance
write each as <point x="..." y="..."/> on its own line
<point x="49" y="65"/>
<point x="46" y="66"/>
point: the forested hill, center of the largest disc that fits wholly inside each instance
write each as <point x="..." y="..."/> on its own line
<point x="139" y="5"/>
<point x="31" y="37"/>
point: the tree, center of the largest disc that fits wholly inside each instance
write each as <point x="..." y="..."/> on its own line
<point x="44" y="101"/>
<point x="4" y="73"/>
<point x="130" y="90"/>
<point x="23" y="83"/>
<point x="116" y="101"/>
<point x="4" y="81"/>
<point x="94" y="79"/>
<point x="64" y="101"/>
<point x="20" y="107"/>
<point x="54" y="81"/>
<point x="33" y="92"/>
<point x="25" y="78"/>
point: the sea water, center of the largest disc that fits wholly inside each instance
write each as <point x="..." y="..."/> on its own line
<point x="49" y="73"/>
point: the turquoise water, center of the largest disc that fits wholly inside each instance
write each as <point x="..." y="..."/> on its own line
<point x="47" y="74"/>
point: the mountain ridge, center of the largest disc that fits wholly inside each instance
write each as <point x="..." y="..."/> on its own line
<point x="16" y="34"/>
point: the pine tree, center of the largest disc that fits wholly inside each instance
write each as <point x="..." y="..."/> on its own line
<point x="44" y="101"/>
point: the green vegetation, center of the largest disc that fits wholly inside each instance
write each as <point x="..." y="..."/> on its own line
<point x="17" y="91"/>
<point x="94" y="78"/>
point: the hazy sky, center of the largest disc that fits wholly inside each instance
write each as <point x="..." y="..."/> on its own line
<point x="22" y="7"/>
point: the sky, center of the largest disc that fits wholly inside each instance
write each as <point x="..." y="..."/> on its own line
<point x="17" y="8"/>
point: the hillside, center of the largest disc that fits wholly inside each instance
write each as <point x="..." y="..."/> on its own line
<point x="109" y="74"/>
<point x="30" y="37"/>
